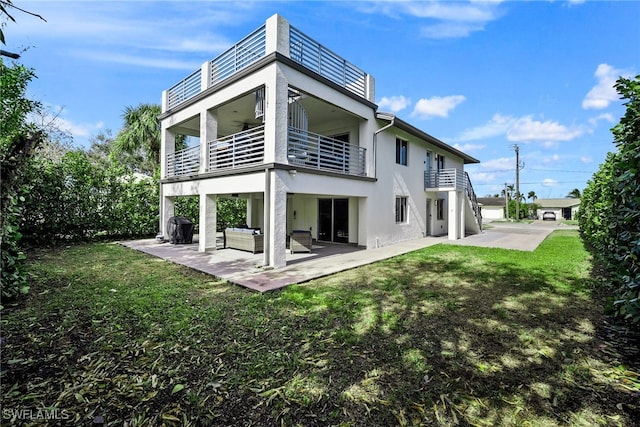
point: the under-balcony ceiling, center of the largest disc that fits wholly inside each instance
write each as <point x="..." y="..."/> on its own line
<point x="240" y="113"/>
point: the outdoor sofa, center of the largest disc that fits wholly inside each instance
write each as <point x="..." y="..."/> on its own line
<point x="244" y="239"/>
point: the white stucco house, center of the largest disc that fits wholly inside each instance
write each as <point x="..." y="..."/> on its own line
<point x="293" y="128"/>
<point x="565" y="208"/>
<point x="492" y="208"/>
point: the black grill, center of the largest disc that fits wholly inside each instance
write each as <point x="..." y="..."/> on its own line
<point x="180" y="230"/>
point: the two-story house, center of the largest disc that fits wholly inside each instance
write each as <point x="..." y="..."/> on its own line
<point x="293" y="128"/>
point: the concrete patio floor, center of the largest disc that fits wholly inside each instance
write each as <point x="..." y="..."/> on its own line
<point x="244" y="268"/>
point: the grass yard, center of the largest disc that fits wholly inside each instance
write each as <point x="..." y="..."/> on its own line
<point x="449" y="335"/>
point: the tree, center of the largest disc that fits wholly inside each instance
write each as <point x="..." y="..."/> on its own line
<point x="609" y="215"/>
<point x="6" y="5"/>
<point x="532" y="196"/>
<point x="574" y="194"/>
<point x="18" y="141"/>
<point x="510" y="191"/>
<point x="140" y="136"/>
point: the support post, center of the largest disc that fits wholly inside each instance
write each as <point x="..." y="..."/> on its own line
<point x="208" y="222"/>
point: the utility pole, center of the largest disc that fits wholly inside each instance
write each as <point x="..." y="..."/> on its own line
<point x="506" y="201"/>
<point x="519" y="166"/>
<point x="517" y="182"/>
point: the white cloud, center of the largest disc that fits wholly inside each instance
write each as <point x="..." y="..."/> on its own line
<point x="436" y="106"/>
<point x="603" y="93"/>
<point x="482" y="177"/>
<point x="442" y="19"/>
<point x="526" y="129"/>
<point x="141" y="61"/>
<point x="498" y="125"/>
<point x="469" y="147"/>
<point x="521" y="129"/>
<point x="607" y="117"/>
<point x="394" y="103"/>
<point x="549" y="182"/>
<point x="553" y="159"/>
<point x="449" y="30"/>
<point x="586" y="159"/>
<point x="500" y="164"/>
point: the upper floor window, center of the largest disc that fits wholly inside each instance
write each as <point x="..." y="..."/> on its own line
<point x="439" y="162"/>
<point x="401" y="209"/>
<point x="402" y="154"/>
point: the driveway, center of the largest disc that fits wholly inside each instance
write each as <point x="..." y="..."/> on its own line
<point x="510" y="235"/>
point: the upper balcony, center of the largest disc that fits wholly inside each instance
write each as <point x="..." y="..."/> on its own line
<point x="246" y="149"/>
<point x="275" y="36"/>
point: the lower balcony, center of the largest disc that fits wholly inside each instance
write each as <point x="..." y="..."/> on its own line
<point x="244" y="149"/>
<point x="444" y="180"/>
<point x="315" y="151"/>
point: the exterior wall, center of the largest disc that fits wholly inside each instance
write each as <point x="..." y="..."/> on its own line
<point x="282" y="200"/>
<point x="492" y="212"/>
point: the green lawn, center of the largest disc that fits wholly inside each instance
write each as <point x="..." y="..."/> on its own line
<point x="443" y="336"/>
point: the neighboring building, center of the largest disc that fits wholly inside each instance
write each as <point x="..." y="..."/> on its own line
<point x="492" y="208"/>
<point x="293" y="128"/>
<point x="563" y="208"/>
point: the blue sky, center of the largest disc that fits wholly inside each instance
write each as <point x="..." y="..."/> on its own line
<point x="479" y="75"/>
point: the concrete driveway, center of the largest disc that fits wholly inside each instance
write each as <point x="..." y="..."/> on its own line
<point x="509" y="235"/>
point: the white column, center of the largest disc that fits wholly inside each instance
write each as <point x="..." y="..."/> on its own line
<point x="205" y="72"/>
<point x="462" y="200"/>
<point x="167" y="210"/>
<point x="167" y="146"/>
<point x="208" y="222"/>
<point x="277" y="35"/>
<point x="277" y="220"/>
<point x="452" y="217"/>
<point x="371" y="88"/>
<point x="208" y="132"/>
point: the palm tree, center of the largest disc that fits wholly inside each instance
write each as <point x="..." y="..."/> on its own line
<point x="141" y="133"/>
<point x="532" y="196"/>
<point x="510" y="191"/>
<point x="574" y="194"/>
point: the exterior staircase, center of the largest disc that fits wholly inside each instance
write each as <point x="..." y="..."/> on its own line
<point x="473" y="216"/>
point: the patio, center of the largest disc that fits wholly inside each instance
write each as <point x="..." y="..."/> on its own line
<point x="245" y="269"/>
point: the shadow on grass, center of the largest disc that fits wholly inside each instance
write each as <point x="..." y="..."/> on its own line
<point x="443" y="336"/>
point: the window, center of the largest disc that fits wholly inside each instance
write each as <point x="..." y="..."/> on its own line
<point x="401" y="151"/>
<point x="440" y="209"/>
<point x="401" y="210"/>
<point x="439" y="162"/>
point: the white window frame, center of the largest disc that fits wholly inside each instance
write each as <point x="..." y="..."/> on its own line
<point x="401" y="210"/>
<point x="400" y="144"/>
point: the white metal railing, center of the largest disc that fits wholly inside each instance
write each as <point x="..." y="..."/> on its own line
<point x="473" y="199"/>
<point x="444" y="178"/>
<point x="239" y="150"/>
<point x="314" y="56"/>
<point x="184" y="89"/>
<point x="183" y="162"/>
<point x="302" y="49"/>
<point x="320" y="152"/>
<point x="240" y="55"/>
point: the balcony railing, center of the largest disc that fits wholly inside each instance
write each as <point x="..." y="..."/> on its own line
<point x="473" y="199"/>
<point x="183" y="162"/>
<point x="445" y="178"/>
<point x="314" y="56"/>
<point x="240" y="55"/>
<point x="320" y="152"/>
<point x="184" y="89"/>
<point x="235" y="151"/>
<point x="302" y="49"/>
